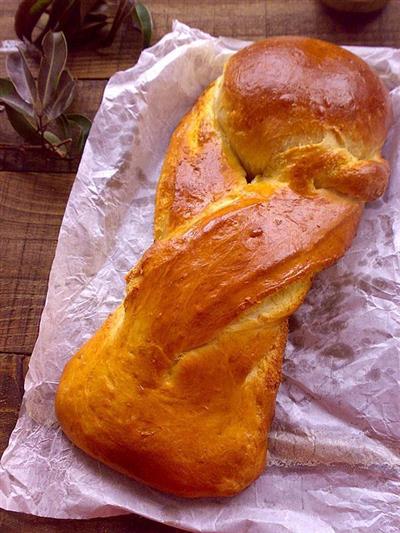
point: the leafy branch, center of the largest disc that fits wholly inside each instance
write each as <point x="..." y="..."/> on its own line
<point x="83" y="22"/>
<point x="36" y="109"/>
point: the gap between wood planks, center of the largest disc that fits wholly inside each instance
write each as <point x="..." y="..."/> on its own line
<point x="31" y="209"/>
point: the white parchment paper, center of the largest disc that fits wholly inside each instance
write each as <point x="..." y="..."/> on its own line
<point x="334" y="462"/>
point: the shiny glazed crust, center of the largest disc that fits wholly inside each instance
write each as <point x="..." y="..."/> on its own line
<point x="262" y="187"/>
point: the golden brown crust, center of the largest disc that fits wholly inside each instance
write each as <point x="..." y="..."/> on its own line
<point x="312" y="80"/>
<point x="236" y="259"/>
<point x="199" y="168"/>
<point x="287" y="92"/>
<point x="177" y="388"/>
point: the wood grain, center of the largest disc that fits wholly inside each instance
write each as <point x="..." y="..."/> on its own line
<point x="31" y="210"/>
<point x="11" y="390"/>
<point x="256" y="19"/>
<point x="312" y="18"/>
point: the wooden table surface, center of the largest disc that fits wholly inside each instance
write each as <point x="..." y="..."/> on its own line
<point x="34" y="191"/>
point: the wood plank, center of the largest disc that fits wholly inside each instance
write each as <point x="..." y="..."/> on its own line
<point x="21" y="523"/>
<point x="313" y="18"/>
<point x="88" y="98"/>
<point x="31" y="209"/>
<point x="11" y="390"/>
<point x="256" y="19"/>
<point x="233" y="18"/>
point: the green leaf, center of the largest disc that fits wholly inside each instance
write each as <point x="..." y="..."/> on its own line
<point x="21" y="77"/>
<point x="22" y="125"/>
<point x="54" y="141"/>
<point x="28" y="15"/>
<point x="143" y="16"/>
<point x="39" y="6"/>
<point x="9" y="96"/>
<point x="51" y="66"/>
<point x="84" y="125"/>
<point x="63" y="126"/>
<point x="64" y="97"/>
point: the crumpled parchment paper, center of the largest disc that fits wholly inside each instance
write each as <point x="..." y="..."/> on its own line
<point x="334" y="461"/>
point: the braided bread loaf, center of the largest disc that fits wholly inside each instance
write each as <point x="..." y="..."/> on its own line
<point x="263" y="186"/>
